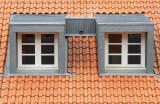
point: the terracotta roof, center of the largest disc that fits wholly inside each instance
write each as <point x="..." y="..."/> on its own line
<point x="78" y="8"/>
<point x="86" y="86"/>
<point x="81" y="89"/>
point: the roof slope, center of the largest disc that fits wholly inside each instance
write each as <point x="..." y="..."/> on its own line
<point x="85" y="87"/>
<point x="77" y="8"/>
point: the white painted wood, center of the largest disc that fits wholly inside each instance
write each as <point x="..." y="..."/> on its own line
<point x="143" y="47"/>
<point x="124" y="49"/>
<point x="38" y="65"/>
<point x="107" y="50"/>
<point x="19" y="49"/>
<point x="125" y="53"/>
<point x="38" y="49"/>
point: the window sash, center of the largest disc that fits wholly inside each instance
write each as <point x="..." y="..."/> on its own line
<point x="124" y="54"/>
<point x="38" y="53"/>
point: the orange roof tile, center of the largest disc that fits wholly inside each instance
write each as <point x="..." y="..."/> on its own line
<point x="78" y="8"/>
<point x="86" y="86"/>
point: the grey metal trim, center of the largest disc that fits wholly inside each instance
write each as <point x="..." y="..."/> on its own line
<point x="100" y="50"/>
<point x="31" y="19"/>
<point x="42" y="74"/>
<point x="125" y="70"/>
<point x="35" y="28"/>
<point x="80" y="17"/>
<point x="7" y="63"/>
<point x="66" y="55"/>
<point x="122" y="28"/>
<point x="127" y="74"/>
<point x="122" y="19"/>
<point x="62" y="53"/>
<point x="11" y="61"/>
<point x="37" y="23"/>
<point x="80" y="34"/>
<point x="150" y="51"/>
<point x="13" y="52"/>
<point x="74" y="26"/>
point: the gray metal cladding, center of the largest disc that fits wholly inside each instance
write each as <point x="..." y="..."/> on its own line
<point x="40" y="19"/>
<point x="80" y="26"/>
<point x="123" y="19"/>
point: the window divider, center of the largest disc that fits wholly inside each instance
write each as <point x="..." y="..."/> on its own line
<point x="124" y="51"/>
<point x="38" y="49"/>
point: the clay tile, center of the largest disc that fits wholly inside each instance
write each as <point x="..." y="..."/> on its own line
<point x="97" y="12"/>
<point x="52" y="12"/>
<point x="65" y="12"/>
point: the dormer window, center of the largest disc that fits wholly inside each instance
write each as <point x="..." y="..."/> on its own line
<point x="36" y="45"/>
<point x="124" y="44"/>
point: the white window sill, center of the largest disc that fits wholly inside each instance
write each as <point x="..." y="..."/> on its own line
<point x="35" y="71"/>
<point x="56" y="72"/>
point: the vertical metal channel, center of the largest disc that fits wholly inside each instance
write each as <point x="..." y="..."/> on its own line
<point x="75" y="26"/>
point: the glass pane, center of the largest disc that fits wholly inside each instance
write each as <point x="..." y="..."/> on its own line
<point x="28" y="59"/>
<point x="114" y="48"/>
<point x="47" y="49"/>
<point x="47" y="60"/>
<point x="47" y="38"/>
<point x="28" y="38"/>
<point x="28" y="49"/>
<point x="134" y="59"/>
<point x="134" y="48"/>
<point x="134" y="38"/>
<point x="114" y="59"/>
<point x="115" y="38"/>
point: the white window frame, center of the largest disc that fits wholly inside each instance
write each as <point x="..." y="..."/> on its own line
<point x="124" y="54"/>
<point x="37" y="65"/>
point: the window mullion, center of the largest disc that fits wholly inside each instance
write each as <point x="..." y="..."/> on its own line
<point x="56" y="49"/>
<point x="37" y="49"/>
<point x="124" y="49"/>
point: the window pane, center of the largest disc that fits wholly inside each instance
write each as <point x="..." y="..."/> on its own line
<point x="134" y="48"/>
<point x="47" y="38"/>
<point x="114" y="48"/>
<point x="28" y="59"/>
<point x="134" y="38"/>
<point x="28" y="38"/>
<point x="115" y="38"/>
<point x="114" y="59"/>
<point x="47" y="60"/>
<point x="28" y="49"/>
<point x="134" y="59"/>
<point x="47" y="49"/>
